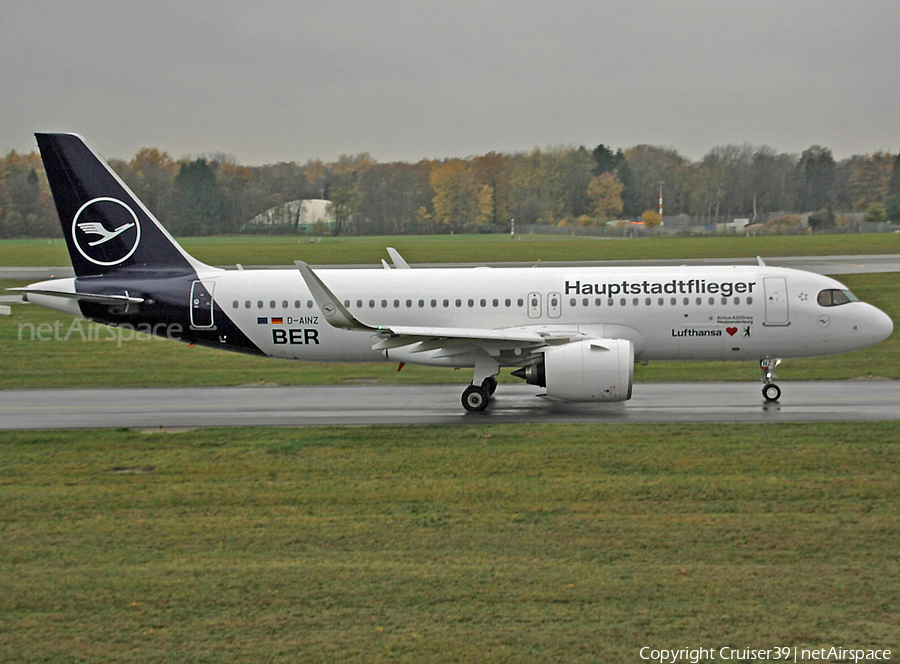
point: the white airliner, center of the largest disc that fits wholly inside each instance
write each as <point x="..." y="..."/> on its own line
<point x="575" y="331"/>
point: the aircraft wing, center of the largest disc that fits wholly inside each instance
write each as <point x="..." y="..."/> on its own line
<point x="429" y="338"/>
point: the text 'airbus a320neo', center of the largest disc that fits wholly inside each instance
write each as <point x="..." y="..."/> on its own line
<point x="574" y="331"/>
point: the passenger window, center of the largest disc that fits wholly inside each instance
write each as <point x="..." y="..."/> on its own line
<point x="598" y="302"/>
<point x="236" y="304"/>
<point x="572" y="302"/>
<point x="496" y="303"/>
<point x="446" y="303"/>
<point x="346" y="303"/>
<point x="471" y="302"/>
<point x="259" y="304"/>
<point x="673" y="301"/>
<point x="384" y="304"/>
<point x="421" y="303"/>
<point x="520" y="302"/>
<point x="660" y="301"/>
<point x="409" y="304"/>
<point x="483" y="302"/>
<point x="309" y="304"/>
<point x="647" y="301"/>
<point x="434" y="304"/>
<point x="371" y="304"/>
<point x="623" y="301"/>
<point x="459" y="303"/>
<point x="296" y="304"/>
<point x="507" y="302"/>
<point x="284" y="304"/>
<point x="271" y="304"/>
<point x="396" y="304"/>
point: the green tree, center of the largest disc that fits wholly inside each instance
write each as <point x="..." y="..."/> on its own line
<point x="651" y="165"/>
<point x="894" y="181"/>
<point x="816" y="181"/>
<point x="198" y="205"/>
<point x="821" y="220"/>
<point x="390" y="196"/>
<point x="605" y="160"/>
<point x="892" y="208"/>
<point x="876" y="212"/>
<point x="344" y="203"/>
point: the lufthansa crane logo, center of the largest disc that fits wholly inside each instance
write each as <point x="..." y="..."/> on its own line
<point x="106" y="231"/>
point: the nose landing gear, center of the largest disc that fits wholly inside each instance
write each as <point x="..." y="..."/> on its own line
<point x="770" y="391"/>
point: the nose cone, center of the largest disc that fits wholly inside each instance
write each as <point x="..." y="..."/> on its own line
<point x="881" y="325"/>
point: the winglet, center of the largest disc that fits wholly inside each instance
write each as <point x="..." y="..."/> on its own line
<point x="398" y="260"/>
<point x="334" y="311"/>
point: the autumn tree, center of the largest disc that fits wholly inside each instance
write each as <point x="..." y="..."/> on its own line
<point x="457" y="196"/>
<point x="605" y="191"/>
<point x="868" y="179"/>
<point x="493" y="170"/>
<point x="25" y="205"/>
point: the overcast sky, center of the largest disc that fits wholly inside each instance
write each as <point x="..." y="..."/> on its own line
<point x="298" y="80"/>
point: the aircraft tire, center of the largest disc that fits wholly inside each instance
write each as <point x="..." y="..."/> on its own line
<point x="475" y="399"/>
<point x="771" y="392"/>
<point x="490" y="384"/>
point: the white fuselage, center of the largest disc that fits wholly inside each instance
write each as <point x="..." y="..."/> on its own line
<point x="668" y="313"/>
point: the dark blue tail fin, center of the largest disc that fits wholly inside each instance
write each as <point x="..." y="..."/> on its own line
<point x="107" y="229"/>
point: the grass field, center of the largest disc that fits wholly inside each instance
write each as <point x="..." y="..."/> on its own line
<point x="270" y="250"/>
<point x="77" y="362"/>
<point x="573" y="543"/>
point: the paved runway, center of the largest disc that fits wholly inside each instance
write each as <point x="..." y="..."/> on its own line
<point x="437" y="404"/>
<point x="817" y="264"/>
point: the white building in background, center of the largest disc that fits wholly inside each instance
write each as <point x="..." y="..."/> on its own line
<point x="303" y="214"/>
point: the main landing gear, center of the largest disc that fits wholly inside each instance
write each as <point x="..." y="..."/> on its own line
<point x="770" y="391"/>
<point x="476" y="398"/>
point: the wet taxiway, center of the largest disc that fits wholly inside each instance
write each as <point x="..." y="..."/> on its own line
<point x="438" y="404"/>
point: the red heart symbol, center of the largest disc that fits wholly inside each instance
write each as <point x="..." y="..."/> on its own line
<point x="731" y="331"/>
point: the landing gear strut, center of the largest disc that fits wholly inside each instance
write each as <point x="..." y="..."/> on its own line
<point x="770" y="391"/>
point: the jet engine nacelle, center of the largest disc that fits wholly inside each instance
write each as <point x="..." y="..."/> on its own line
<point x="591" y="370"/>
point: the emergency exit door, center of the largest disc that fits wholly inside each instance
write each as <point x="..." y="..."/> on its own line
<point x="202" y="304"/>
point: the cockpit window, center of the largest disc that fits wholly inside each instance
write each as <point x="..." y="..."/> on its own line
<point x="834" y="297"/>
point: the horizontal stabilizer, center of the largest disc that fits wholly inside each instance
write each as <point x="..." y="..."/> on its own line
<point x="84" y="297"/>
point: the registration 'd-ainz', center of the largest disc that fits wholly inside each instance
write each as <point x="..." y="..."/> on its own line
<point x="573" y="331"/>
